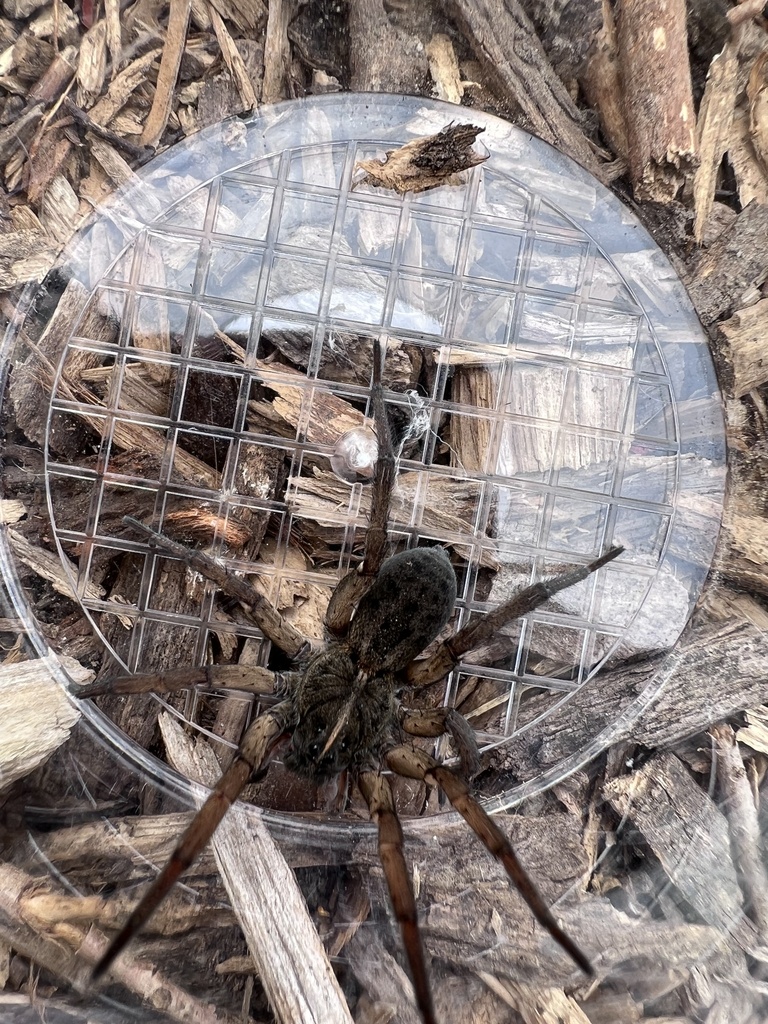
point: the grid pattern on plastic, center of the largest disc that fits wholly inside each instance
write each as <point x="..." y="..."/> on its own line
<point x="567" y="387"/>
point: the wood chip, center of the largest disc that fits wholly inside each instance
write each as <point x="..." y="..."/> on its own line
<point x="658" y="96"/>
<point x="427" y="162"/>
<point x="746" y="332"/>
<point x="233" y="60"/>
<point x="687" y="834"/>
<point x="36" y="713"/>
<point x="444" y="68"/>
<point x="290" y="958"/>
<point x="173" y="51"/>
<point x="714" y="128"/>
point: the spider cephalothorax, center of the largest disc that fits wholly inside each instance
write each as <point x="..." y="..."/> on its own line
<point x="344" y="702"/>
<point x="341" y="711"/>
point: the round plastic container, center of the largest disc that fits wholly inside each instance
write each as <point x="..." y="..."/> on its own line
<point x="202" y="349"/>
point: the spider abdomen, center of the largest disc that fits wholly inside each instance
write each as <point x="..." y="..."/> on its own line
<point x="410" y="601"/>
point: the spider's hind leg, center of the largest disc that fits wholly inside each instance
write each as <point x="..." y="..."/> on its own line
<point x="438" y="722"/>
<point x="254" y="753"/>
<point x="416" y="764"/>
<point x="377" y="792"/>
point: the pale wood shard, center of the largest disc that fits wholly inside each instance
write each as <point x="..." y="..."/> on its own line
<point x="714" y="128"/>
<point x="751" y="180"/>
<point x="738" y="803"/>
<point x="290" y="958"/>
<point x="536" y="1005"/>
<point x="757" y="96"/>
<point x="746" y="332"/>
<point x="29" y="737"/>
<point x="113" y="36"/>
<point x="92" y="65"/>
<point x="233" y="60"/>
<point x="658" y="96"/>
<point x="170" y="62"/>
<point x="444" y="68"/>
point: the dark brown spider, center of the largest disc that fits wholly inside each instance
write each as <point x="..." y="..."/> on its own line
<point x="341" y="710"/>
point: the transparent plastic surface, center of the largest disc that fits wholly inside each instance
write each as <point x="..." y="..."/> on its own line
<point x="550" y="383"/>
<point x="565" y="400"/>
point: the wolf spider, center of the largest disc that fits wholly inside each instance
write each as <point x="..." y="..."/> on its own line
<point x="341" y="713"/>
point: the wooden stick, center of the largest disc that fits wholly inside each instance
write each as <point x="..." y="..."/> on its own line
<point x="658" y="97"/>
<point x="739" y="806"/>
<point x="291" y="962"/>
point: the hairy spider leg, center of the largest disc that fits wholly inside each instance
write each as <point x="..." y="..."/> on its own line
<point x="417" y="764"/>
<point x="351" y="588"/>
<point x="267" y="617"/>
<point x="438" y="722"/>
<point x="254" y="753"/>
<point x="448" y="654"/>
<point x="377" y="792"/>
<point x="248" y="678"/>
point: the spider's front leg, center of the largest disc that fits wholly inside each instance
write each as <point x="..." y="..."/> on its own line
<point x="258" y="746"/>
<point x="267" y="617"/>
<point x="417" y="764"/>
<point x="246" y="678"/>
<point x="449" y="653"/>
<point x="352" y="587"/>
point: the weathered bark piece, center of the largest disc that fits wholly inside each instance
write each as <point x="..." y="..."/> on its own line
<point x="567" y="31"/>
<point x="122" y="88"/>
<point x="383" y="57"/>
<point x="50" y="567"/>
<point x="601" y="81"/>
<point x="746" y="332"/>
<point x="506" y="44"/>
<point x="745" y="537"/>
<point x="233" y="60"/>
<point x="426" y="163"/>
<point x="714" y="127"/>
<point x="716" y="670"/>
<point x="687" y="834"/>
<point x="277" y="53"/>
<point x="284" y="943"/>
<point x="737" y="261"/>
<point x="658" y="98"/>
<point x="738" y="803"/>
<point x="170" y="62"/>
